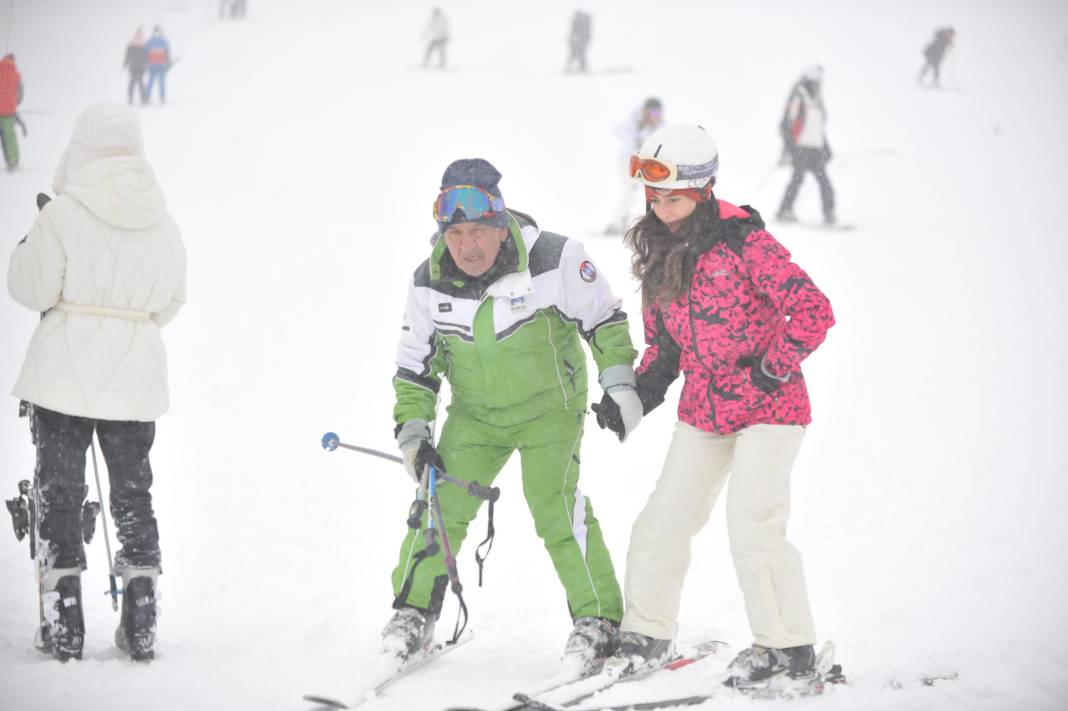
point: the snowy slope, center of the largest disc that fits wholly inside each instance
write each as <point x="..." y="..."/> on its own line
<point x="300" y="152"/>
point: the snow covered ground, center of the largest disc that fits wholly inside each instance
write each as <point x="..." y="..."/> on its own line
<point x="300" y="152"/>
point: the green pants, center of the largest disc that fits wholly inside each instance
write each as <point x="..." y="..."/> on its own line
<point x="10" y="143"/>
<point x="563" y="517"/>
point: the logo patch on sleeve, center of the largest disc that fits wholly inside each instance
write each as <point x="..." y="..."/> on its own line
<point x="587" y="271"/>
<point x="444" y="308"/>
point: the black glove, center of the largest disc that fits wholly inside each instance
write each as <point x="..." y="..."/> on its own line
<point x="608" y="416"/>
<point x="42" y="200"/>
<point x="761" y="380"/>
<point x="428" y="454"/>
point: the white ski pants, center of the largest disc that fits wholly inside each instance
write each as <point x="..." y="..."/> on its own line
<point x="759" y="459"/>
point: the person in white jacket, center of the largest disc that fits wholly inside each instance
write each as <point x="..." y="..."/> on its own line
<point x="805" y="143"/>
<point x="105" y="264"/>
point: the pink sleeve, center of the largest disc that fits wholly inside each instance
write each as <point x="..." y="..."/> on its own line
<point x="807" y="311"/>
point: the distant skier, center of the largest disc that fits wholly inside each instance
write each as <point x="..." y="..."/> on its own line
<point x="159" y="63"/>
<point x="641" y="125"/>
<point x="105" y="262"/>
<point x="136" y="61"/>
<point x="10" y="97"/>
<point x="500" y="309"/>
<point x="724" y="305"/>
<point x="935" y="52"/>
<point x="436" y="35"/>
<point x="805" y="143"/>
<point x="578" y="41"/>
<point x="233" y="9"/>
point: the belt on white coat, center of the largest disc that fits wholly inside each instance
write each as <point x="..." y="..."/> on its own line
<point x="123" y="314"/>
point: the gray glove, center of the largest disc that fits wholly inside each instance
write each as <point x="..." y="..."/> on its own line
<point x="410" y="437"/>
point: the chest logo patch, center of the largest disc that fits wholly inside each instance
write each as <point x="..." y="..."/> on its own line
<point x="587" y="271"/>
<point x="444" y="308"/>
<point x="519" y="304"/>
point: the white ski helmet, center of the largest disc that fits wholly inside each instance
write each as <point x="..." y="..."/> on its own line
<point x="676" y="157"/>
<point x="813" y="73"/>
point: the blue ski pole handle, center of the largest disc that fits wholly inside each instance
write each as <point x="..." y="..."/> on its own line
<point x="331" y="442"/>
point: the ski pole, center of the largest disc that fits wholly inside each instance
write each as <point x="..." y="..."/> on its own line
<point x="450" y="560"/>
<point x="331" y="442"/>
<point x="114" y="592"/>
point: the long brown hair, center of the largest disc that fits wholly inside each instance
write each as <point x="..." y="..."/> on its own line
<point x="662" y="260"/>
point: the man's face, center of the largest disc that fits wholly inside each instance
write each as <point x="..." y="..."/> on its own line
<point x="474" y="246"/>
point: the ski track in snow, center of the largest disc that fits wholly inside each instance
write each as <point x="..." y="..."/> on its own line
<point x="300" y="155"/>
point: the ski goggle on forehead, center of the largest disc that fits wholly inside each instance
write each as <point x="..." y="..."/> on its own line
<point x="658" y="170"/>
<point x="475" y="203"/>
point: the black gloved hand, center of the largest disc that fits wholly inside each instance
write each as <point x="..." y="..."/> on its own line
<point x="608" y="416"/>
<point x="760" y="379"/>
<point x="428" y="454"/>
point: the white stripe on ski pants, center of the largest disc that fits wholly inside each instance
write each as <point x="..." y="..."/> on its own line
<point x="759" y="459"/>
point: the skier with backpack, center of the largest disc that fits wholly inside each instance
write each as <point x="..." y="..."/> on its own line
<point x="105" y="263"/>
<point x="724" y="304"/>
<point x="805" y="144"/>
<point x="500" y="309"/>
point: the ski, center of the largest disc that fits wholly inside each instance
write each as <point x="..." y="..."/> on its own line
<point x="388" y="674"/>
<point x="810" y="687"/>
<point x="574" y="691"/>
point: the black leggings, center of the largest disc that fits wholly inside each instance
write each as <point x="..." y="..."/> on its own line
<point x="62" y="441"/>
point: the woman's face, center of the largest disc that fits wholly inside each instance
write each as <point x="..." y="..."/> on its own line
<point x="672" y="209"/>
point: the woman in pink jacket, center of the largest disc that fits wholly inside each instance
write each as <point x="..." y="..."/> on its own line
<point x="724" y="304"/>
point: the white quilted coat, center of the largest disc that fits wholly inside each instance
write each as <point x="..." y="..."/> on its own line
<point x="106" y="262"/>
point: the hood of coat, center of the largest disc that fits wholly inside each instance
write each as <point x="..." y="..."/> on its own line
<point x="104" y="169"/>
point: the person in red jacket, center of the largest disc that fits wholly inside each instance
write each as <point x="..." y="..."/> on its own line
<point x="10" y="98"/>
<point x="724" y="304"/>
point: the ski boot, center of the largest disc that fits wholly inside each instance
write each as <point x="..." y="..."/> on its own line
<point x="756" y="665"/>
<point x="786" y="215"/>
<point x="591" y="641"/>
<point x="408" y="632"/>
<point x="637" y="652"/>
<point x="136" y="633"/>
<point x="63" y="630"/>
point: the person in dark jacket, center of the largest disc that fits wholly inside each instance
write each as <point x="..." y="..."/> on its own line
<point x="136" y="62"/>
<point x="935" y="52"/>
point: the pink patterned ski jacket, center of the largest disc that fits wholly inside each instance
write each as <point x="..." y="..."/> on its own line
<point x="746" y="300"/>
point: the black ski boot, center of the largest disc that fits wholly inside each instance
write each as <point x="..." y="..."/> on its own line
<point x="408" y="632"/>
<point x="592" y="640"/>
<point x="136" y="633"/>
<point x="639" y="652"/>
<point x="64" y="623"/>
<point x="758" y="664"/>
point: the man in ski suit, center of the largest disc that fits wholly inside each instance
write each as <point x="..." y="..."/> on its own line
<point x="805" y="143"/>
<point x="10" y="98"/>
<point x="935" y="52"/>
<point x="500" y="309"/>
<point x="159" y="63"/>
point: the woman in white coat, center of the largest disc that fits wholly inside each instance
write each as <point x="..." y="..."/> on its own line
<point x="105" y="264"/>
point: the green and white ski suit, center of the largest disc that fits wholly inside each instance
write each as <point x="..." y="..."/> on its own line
<point x="517" y="372"/>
